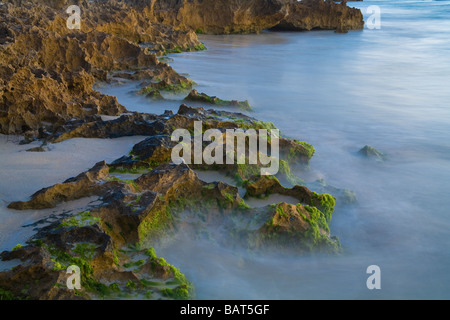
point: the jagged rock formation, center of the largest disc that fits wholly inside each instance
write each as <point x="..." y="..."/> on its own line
<point x="246" y="16"/>
<point x="47" y="70"/>
<point x="135" y="214"/>
<point x="324" y="15"/>
<point x="221" y="16"/>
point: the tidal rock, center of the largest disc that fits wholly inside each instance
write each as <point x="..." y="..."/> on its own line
<point x="265" y="186"/>
<point x="372" y="153"/>
<point x="111" y="241"/>
<point x="343" y="196"/>
<point x="203" y="97"/>
<point x="301" y="226"/>
<point x="249" y="16"/>
<point x="320" y="15"/>
<point x="38" y="149"/>
<point x="78" y="187"/>
<point x="224" y="16"/>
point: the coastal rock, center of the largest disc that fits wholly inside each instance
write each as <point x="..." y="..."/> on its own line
<point x="156" y="148"/>
<point x="265" y="186"/>
<point x="343" y="196"/>
<point x="42" y="148"/>
<point x="320" y="15"/>
<point x="372" y="153"/>
<point x="46" y="76"/>
<point x="244" y="16"/>
<point x="35" y="276"/>
<point x="224" y="17"/>
<point x="300" y="226"/>
<point x="203" y="97"/>
<point x="74" y="188"/>
<point x="47" y="70"/>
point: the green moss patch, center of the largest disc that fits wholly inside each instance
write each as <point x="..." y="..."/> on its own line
<point x="8" y="295"/>
<point x="204" y="98"/>
<point x="81" y="219"/>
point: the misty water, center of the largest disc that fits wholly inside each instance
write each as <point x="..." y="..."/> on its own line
<point x="388" y="88"/>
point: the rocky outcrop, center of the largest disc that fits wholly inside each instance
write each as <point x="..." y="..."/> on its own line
<point x="320" y="15"/>
<point x="220" y="16"/>
<point x="47" y="70"/>
<point x="110" y="242"/>
<point x="158" y="147"/>
<point x="302" y="225"/>
<point x="74" y="188"/>
<point x="248" y="16"/>
<point x="133" y="214"/>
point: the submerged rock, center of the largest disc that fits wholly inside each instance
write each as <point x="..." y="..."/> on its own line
<point x="372" y="153"/>
<point x="203" y="97"/>
<point x="42" y="148"/>
<point x="343" y="196"/>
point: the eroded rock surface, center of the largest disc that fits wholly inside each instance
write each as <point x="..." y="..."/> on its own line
<point x="247" y="16"/>
<point x="47" y="70"/>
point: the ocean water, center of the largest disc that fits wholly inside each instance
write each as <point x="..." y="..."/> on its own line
<point x="388" y="88"/>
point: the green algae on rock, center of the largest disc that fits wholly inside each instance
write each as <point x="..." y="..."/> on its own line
<point x="301" y="226"/>
<point x="203" y="97"/>
<point x="372" y="153"/>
